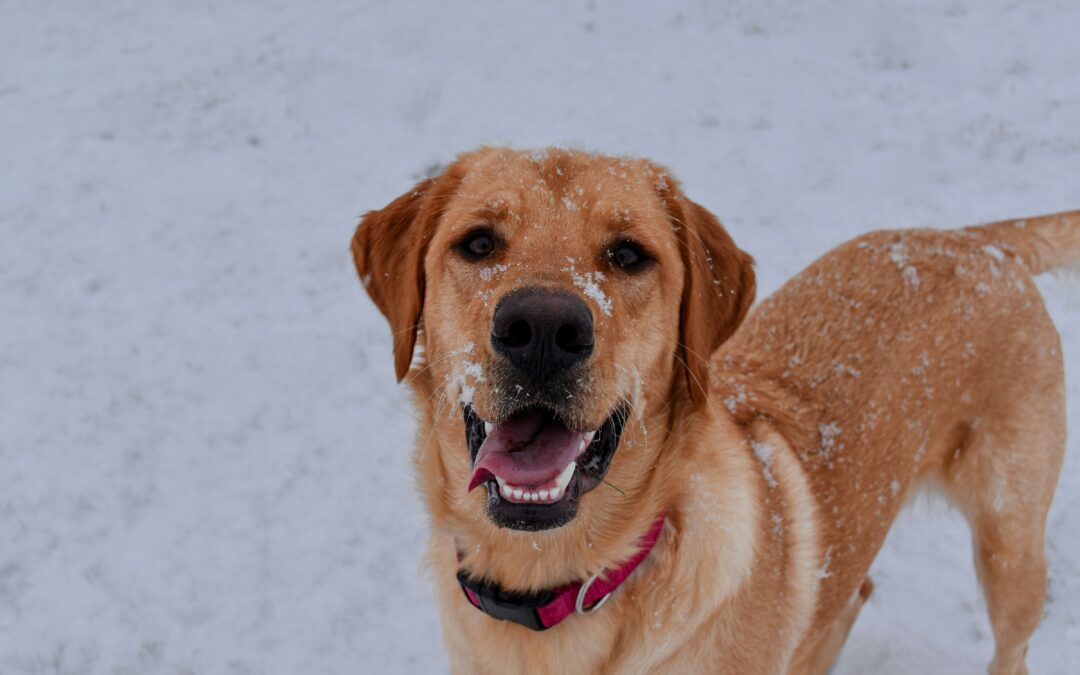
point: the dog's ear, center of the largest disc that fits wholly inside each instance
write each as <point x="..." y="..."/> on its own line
<point x="718" y="287"/>
<point x="389" y="248"/>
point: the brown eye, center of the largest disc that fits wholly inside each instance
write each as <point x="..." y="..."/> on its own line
<point x="476" y="245"/>
<point x="627" y="255"/>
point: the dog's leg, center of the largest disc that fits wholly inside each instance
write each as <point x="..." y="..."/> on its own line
<point x="1012" y="570"/>
<point x="817" y="657"/>
<point x="1004" y="480"/>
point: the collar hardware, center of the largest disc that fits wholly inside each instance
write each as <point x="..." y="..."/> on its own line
<point x="579" y="607"/>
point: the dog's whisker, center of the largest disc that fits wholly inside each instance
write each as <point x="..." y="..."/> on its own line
<point x="417" y="373"/>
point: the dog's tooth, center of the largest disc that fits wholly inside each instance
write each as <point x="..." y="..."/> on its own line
<point x="488" y="426"/>
<point x="555" y="492"/>
<point x="563" y="479"/>
<point x="544" y="495"/>
<point x="517" y="493"/>
<point x="589" y="436"/>
<point x="582" y="445"/>
<point x="528" y="496"/>
<point x="507" y="491"/>
<point x="500" y="481"/>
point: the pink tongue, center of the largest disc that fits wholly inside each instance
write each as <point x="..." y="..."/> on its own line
<point x="528" y="450"/>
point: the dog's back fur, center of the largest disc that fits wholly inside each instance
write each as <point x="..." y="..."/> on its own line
<point x="916" y="356"/>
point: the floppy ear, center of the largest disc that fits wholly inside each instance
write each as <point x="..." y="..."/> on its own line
<point x="718" y="288"/>
<point x="388" y="249"/>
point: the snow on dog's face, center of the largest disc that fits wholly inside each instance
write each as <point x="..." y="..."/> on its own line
<point x="548" y="305"/>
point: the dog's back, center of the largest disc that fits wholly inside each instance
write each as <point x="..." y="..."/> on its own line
<point x="922" y="355"/>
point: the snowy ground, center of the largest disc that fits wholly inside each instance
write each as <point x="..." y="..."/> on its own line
<point x="203" y="455"/>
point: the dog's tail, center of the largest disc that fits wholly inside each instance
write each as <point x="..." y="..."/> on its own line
<point x="1044" y="243"/>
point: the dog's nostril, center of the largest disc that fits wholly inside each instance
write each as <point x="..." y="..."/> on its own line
<point x="518" y="334"/>
<point x="568" y="339"/>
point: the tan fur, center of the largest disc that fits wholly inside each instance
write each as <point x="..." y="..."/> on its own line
<point x="780" y="456"/>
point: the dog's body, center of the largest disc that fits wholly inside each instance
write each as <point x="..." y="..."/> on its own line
<point x="780" y="462"/>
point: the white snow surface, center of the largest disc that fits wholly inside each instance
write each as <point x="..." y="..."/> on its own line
<point x="204" y="458"/>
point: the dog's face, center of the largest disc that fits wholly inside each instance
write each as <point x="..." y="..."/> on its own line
<point x="562" y="301"/>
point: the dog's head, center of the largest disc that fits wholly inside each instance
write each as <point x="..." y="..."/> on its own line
<point x="561" y="306"/>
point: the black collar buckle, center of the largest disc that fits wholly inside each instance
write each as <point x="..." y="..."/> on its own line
<point x="520" y="608"/>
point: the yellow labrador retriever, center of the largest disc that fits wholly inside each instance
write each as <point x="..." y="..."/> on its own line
<point x="623" y="475"/>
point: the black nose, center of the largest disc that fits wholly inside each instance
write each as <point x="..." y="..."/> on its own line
<point x="542" y="332"/>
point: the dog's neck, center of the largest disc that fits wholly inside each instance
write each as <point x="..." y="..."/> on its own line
<point x="707" y="543"/>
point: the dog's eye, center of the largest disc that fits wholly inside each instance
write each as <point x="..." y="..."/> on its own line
<point x="477" y="244"/>
<point x="627" y="255"/>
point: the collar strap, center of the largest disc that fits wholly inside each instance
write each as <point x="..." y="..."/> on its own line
<point x="544" y="609"/>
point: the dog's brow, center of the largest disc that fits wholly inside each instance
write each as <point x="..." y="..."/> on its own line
<point x="490" y="212"/>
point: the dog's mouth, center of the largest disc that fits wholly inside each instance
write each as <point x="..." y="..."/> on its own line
<point x="536" y="468"/>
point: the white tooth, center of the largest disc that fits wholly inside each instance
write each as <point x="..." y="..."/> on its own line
<point x="582" y="445"/>
<point x="589" y="436"/>
<point x="544" y="495"/>
<point x="527" y="496"/>
<point x="507" y="491"/>
<point x="563" y="479"/>
<point x="517" y="493"/>
<point x="555" y="492"/>
<point x="500" y="481"/>
<point x="488" y="426"/>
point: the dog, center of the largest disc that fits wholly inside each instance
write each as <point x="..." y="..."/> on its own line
<point x="629" y="470"/>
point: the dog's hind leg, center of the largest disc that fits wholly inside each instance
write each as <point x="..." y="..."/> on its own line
<point x="817" y="657"/>
<point x="1003" y="479"/>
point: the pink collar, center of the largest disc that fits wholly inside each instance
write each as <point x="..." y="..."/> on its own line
<point x="544" y="609"/>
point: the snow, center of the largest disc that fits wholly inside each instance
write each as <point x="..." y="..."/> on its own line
<point x="764" y="453"/>
<point x="205" y="461"/>
<point x="823" y="572"/>
<point x="899" y="255"/>
<point x="994" y="251"/>
<point x="589" y="283"/>
<point x="489" y="273"/>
